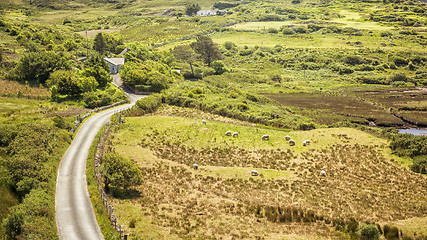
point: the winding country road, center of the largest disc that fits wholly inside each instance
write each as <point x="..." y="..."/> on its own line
<point x="75" y="217"/>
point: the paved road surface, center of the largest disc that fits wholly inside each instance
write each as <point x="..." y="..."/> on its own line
<point x="75" y="217"/>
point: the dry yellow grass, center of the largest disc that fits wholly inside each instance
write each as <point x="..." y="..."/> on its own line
<point x="222" y="200"/>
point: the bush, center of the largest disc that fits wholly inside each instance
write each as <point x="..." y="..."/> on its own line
<point x="398" y="77"/>
<point x="419" y="164"/>
<point x="272" y="30"/>
<point x="368" y="232"/>
<point x="7" y="134"/>
<point x="229" y="45"/>
<point x="300" y="29"/>
<point x="288" y="31"/>
<point x="399" y="61"/>
<point x="391" y="233"/>
<point x="149" y="104"/>
<point x="120" y="172"/>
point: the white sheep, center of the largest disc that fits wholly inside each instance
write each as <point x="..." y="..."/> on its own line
<point x="228" y="133"/>
<point x="235" y="134"/>
<point x="287" y="138"/>
<point x="292" y="142"/>
<point x="196" y="166"/>
<point x="254" y="173"/>
<point x="323" y="173"/>
<point x="204" y="122"/>
<point x="265" y="137"/>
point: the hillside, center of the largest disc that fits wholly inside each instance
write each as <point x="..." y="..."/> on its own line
<point x="344" y="74"/>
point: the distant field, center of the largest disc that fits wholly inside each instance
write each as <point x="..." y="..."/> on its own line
<point x="327" y="109"/>
<point x="176" y="200"/>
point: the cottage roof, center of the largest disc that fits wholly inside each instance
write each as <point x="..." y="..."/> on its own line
<point x="115" y="61"/>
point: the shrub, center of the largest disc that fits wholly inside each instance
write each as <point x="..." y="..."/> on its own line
<point x="272" y="30"/>
<point x="229" y="45"/>
<point x="399" y="61"/>
<point x="288" y="31"/>
<point x="120" y="172"/>
<point x="391" y="233"/>
<point x="7" y="134"/>
<point x="149" y="104"/>
<point x="399" y="77"/>
<point x="368" y="232"/>
<point x="300" y="29"/>
<point x="219" y="67"/>
<point x="419" y="164"/>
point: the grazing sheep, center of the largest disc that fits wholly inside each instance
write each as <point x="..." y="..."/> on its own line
<point x="287" y="138"/>
<point x="265" y="137"/>
<point x="196" y="166"/>
<point x="228" y="133"/>
<point x="292" y="142"/>
<point x="323" y="173"/>
<point x="204" y="122"/>
<point x="254" y="173"/>
<point x="235" y="134"/>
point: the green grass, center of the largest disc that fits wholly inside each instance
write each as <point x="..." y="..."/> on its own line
<point x="177" y="129"/>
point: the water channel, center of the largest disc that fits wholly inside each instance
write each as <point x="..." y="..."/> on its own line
<point x="414" y="131"/>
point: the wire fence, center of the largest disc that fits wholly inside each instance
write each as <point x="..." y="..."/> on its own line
<point x="98" y="156"/>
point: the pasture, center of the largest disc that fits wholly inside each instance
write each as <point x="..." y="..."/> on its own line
<point x="288" y="200"/>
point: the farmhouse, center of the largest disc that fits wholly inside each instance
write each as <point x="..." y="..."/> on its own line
<point x="115" y="64"/>
<point x="204" y="13"/>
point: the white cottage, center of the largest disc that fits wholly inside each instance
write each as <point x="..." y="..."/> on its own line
<point x="115" y="64"/>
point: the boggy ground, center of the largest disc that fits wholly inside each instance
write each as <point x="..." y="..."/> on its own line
<point x="289" y="200"/>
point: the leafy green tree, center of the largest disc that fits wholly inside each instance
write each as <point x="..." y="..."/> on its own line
<point x="96" y="61"/>
<point x="192" y="9"/>
<point x="37" y="66"/>
<point x="66" y="82"/>
<point x="87" y="84"/>
<point x="207" y="49"/>
<point x="99" y="43"/>
<point x="120" y="172"/>
<point x="112" y="42"/>
<point x="157" y="81"/>
<point x="185" y="53"/>
<point x="100" y="75"/>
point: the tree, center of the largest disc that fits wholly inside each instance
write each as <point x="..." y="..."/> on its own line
<point x="120" y="172"/>
<point x="37" y="66"/>
<point x="65" y="81"/>
<point x="87" y="84"/>
<point x="185" y="53"/>
<point x="207" y="49"/>
<point x="100" y="75"/>
<point x="192" y="9"/>
<point x="99" y="43"/>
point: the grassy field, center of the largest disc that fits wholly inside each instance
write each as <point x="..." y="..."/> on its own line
<point x="327" y="109"/>
<point x="222" y="199"/>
